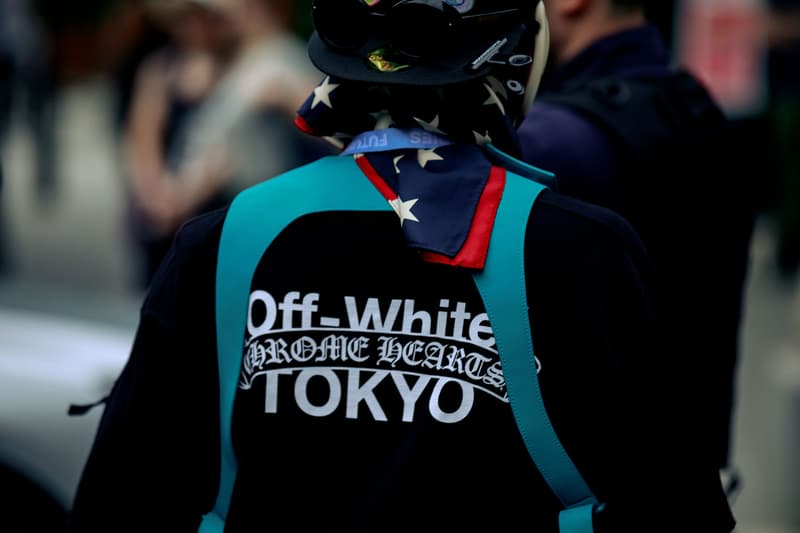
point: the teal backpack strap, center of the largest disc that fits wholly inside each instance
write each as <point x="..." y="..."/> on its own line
<point x="254" y="219"/>
<point x="504" y="295"/>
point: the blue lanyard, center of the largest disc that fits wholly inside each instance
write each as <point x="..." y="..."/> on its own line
<point x="393" y="139"/>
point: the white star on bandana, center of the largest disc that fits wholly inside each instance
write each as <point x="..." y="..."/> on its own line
<point x="497" y="86"/>
<point x="493" y="99"/>
<point x="383" y="120"/>
<point x="403" y="209"/>
<point x="426" y="156"/>
<point x="432" y="126"/>
<point x="482" y="140"/>
<point x="323" y="93"/>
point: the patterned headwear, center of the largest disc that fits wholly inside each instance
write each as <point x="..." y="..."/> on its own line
<point x="478" y="112"/>
<point x="418" y="42"/>
<point x="445" y="194"/>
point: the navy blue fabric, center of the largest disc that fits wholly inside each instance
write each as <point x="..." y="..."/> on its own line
<point x="635" y="51"/>
<point x="590" y="152"/>
<point x="622" y="128"/>
<point x="558" y="139"/>
<point x="447" y="192"/>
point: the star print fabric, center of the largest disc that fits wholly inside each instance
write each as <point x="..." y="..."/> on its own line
<point x="468" y="113"/>
<point x="445" y="197"/>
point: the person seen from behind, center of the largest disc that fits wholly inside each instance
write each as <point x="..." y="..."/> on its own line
<point x="622" y="127"/>
<point x="413" y="333"/>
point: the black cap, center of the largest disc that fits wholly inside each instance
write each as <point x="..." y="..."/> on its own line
<point x="474" y="32"/>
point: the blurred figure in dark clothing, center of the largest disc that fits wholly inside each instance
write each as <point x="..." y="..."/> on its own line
<point x="171" y="85"/>
<point x="784" y="122"/>
<point x="621" y="128"/>
<point x="31" y="82"/>
<point x="3" y="246"/>
<point x="151" y="36"/>
<point x="6" y="71"/>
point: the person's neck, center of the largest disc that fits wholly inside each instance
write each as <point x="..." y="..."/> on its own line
<point x="590" y="30"/>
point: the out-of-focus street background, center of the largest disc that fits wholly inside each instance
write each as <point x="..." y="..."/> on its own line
<point x="77" y="228"/>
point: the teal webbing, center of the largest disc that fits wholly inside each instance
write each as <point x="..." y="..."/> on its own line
<point x="576" y="519"/>
<point x="272" y="205"/>
<point x="504" y="295"/>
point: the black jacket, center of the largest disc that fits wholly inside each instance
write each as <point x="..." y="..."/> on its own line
<point x="621" y="128"/>
<point x="343" y="443"/>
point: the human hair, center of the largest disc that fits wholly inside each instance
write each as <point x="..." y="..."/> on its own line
<point x="282" y="8"/>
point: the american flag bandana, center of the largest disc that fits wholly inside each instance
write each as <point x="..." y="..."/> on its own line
<point x="445" y="194"/>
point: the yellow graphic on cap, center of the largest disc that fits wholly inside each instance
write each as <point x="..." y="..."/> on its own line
<point x="377" y="59"/>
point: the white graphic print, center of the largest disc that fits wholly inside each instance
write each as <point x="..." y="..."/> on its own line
<point x="448" y="351"/>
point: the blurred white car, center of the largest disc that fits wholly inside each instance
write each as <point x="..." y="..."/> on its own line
<point x="47" y="363"/>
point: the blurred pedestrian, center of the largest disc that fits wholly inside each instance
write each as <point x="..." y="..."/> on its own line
<point x="150" y="34"/>
<point x="5" y="111"/>
<point x="349" y="346"/>
<point x="621" y="127"/>
<point x="6" y="73"/>
<point x="170" y="86"/>
<point x="250" y="114"/>
<point x="32" y="87"/>
<point x="784" y="130"/>
<point x="3" y="246"/>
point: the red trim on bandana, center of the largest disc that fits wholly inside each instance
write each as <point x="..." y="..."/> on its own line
<point x="304" y="126"/>
<point x="376" y="179"/>
<point x="476" y="246"/>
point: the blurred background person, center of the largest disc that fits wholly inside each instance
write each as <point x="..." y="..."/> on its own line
<point x="26" y="79"/>
<point x="225" y="112"/>
<point x="3" y="237"/>
<point x="6" y="69"/>
<point x="653" y="145"/>
<point x="250" y="116"/>
<point x="150" y="33"/>
<point x="6" y="72"/>
<point x="783" y="38"/>
<point x="748" y="53"/>
<point x="31" y="81"/>
<point x="171" y="85"/>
